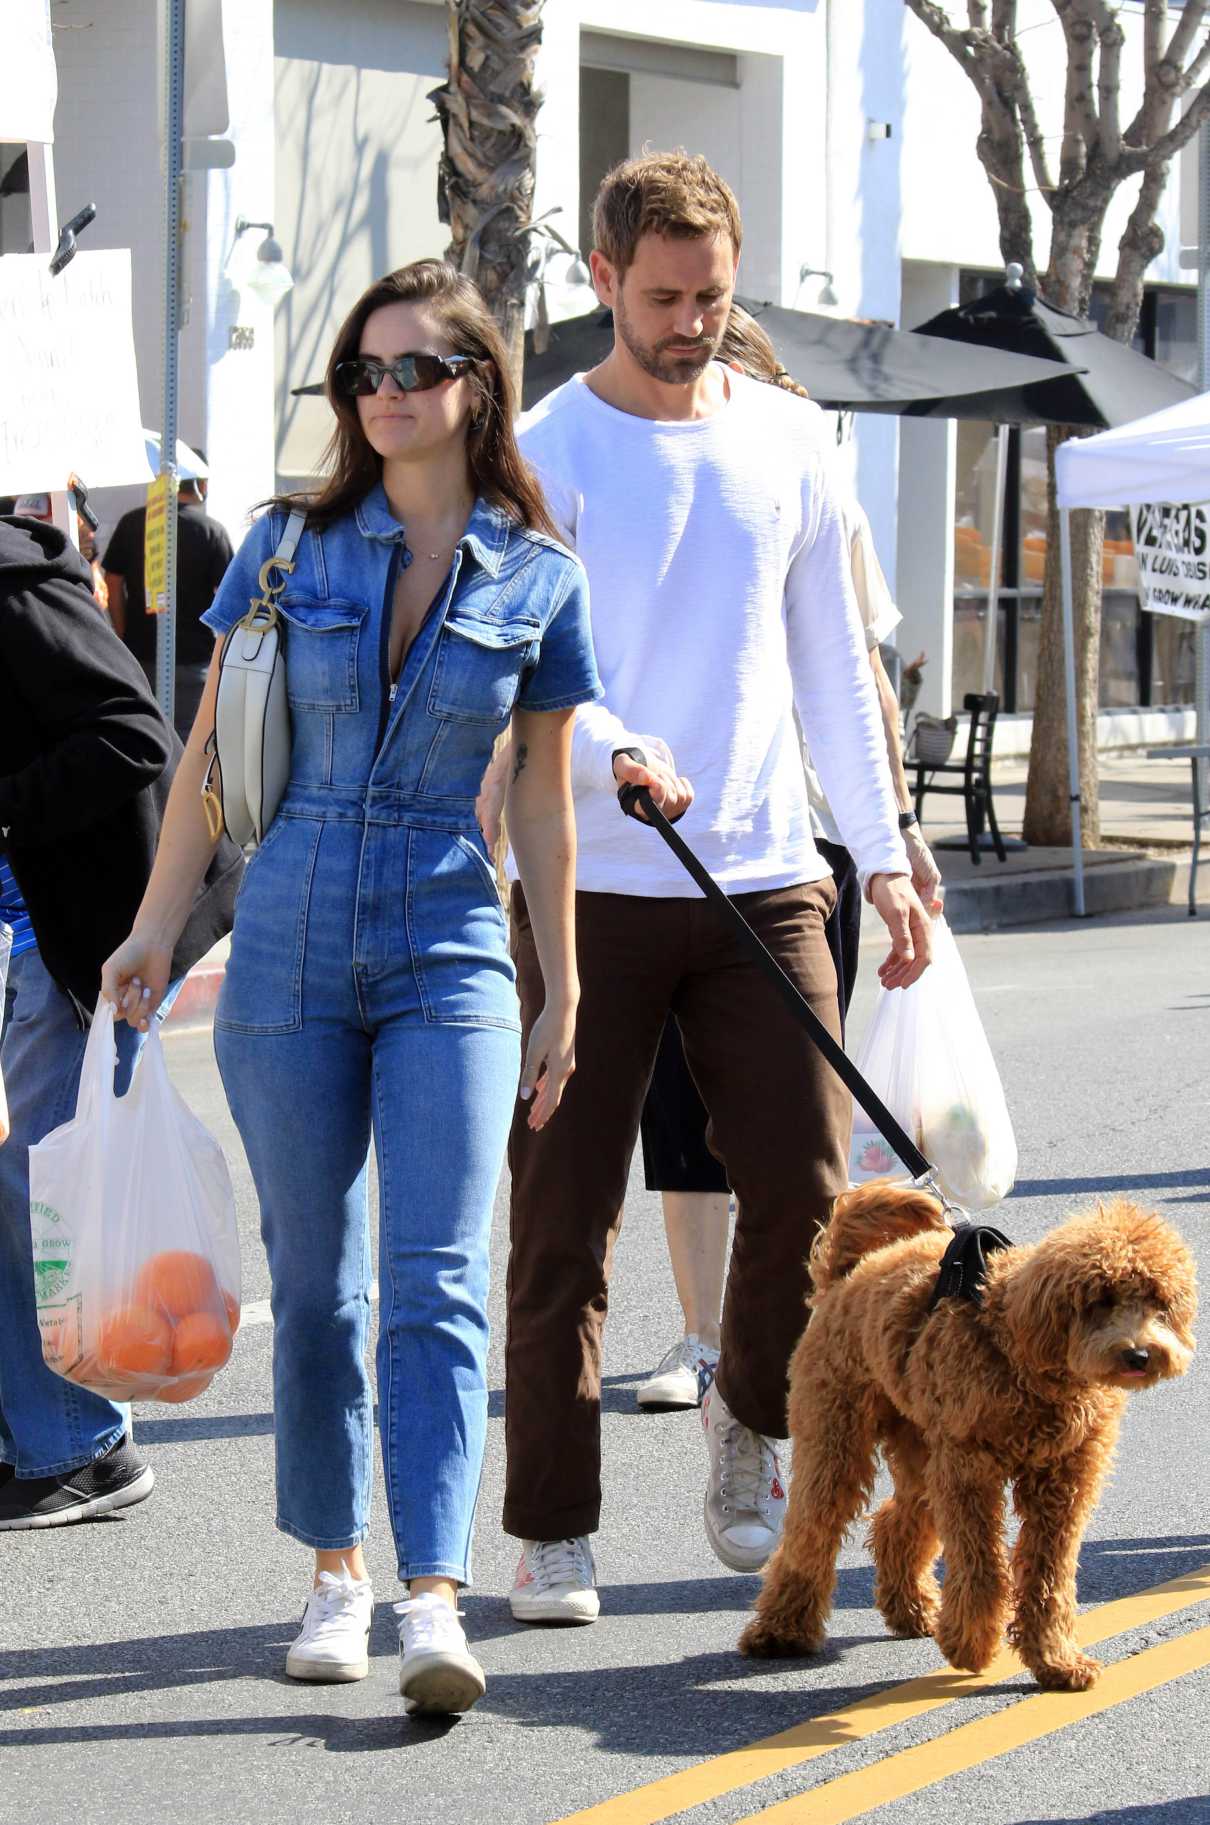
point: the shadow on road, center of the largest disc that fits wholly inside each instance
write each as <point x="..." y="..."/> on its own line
<point x="1117" y="1568"/>
<point x="1193" y="1811"/>
<point x="617" y="1396"/>
<point x="1124" y="1181"/>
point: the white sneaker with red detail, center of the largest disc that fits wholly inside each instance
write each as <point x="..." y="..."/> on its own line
<point x="745" y="1506"/>
<point x="556" y="1582"/>
<point x="332" y="1645"/>
<point x="682" y="1377"/>
<point x="438" y="1674"/>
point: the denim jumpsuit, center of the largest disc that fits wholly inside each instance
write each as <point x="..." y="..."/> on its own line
<point x="370" y="990"/>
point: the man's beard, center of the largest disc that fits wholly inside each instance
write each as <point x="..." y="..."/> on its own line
<point x="654" y="359"/>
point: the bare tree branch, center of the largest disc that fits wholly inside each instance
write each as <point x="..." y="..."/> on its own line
<point x="1109" y="83"/>
<point x="1184" y="32"/>
<point x="1142" y="241"/>
<point x="1197" y="69"/>
<point x="1141" y="158"/>
<point x="1080" y="124"/>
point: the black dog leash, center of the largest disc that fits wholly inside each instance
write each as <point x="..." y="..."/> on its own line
<point x="633" y="797"/>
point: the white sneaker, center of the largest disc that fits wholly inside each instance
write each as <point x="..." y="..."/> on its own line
<point x="556" y="1582"/>
<point x="745" y="1505"/>
<point x="438" y="1674"/>
<point x="333" y="1643"/>
<point x="683" y="1376"/>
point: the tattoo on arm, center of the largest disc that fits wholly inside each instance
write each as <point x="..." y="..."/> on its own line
<point x="519" y="763"/>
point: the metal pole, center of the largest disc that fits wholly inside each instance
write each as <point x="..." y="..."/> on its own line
<point x="991" y="632"/>
<point x="174" y="108"/>
<point x="1069" y="681"/>
<point x="1201" y="690"/>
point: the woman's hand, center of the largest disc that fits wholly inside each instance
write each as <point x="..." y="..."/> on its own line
<point x="135" y="979"/>
<point x="550" y="1059"/>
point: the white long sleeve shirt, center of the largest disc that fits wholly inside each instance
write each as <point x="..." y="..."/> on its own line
<point x="722" y="600"/>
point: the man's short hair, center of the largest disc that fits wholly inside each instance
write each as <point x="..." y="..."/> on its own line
<point x="678" y="194"/>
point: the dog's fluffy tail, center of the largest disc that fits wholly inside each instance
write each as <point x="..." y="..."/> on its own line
<point x="866" y="1219"/>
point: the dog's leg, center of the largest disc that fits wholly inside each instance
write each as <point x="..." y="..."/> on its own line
<point x="1054" y="1502"/>
<point x="834" y="1462"/>
<point x="966" y="1488"/>
<point x="903" y="1540"/>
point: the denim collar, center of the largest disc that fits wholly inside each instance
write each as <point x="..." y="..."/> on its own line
<point x="486" y="534"/>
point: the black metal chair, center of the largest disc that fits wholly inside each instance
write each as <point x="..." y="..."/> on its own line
<point x="975" y="772"/>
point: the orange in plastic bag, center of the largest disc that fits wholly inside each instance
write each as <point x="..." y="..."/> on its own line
<point x="136" y="1251"/>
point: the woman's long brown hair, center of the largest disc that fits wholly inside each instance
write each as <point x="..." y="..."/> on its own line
<point x="746" y="343"/>
<point x="497" y="469"/>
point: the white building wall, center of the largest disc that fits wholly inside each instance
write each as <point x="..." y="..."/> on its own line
<point x="239" y="370"/>
<point x="356" y="187"/>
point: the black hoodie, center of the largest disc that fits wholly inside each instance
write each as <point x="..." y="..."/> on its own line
<point x="86" y="761"/>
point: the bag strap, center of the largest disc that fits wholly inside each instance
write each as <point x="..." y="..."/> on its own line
<point x="262" y="609"/>
<point x="804" y="1013"/>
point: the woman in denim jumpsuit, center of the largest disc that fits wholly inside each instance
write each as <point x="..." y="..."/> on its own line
<point x="369" y="987"/>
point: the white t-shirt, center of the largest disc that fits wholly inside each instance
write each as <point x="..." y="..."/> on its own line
<point x="721" y="600"/>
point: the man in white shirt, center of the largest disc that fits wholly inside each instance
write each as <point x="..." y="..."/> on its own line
<point x="722" y="601"/>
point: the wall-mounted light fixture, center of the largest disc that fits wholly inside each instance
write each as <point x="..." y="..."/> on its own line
<point x="877" y="129"/>
<point x="827" y="296"/>
<point x="270" y="277"/>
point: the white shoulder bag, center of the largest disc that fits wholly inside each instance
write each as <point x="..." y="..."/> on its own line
<point x="251" y="741"/>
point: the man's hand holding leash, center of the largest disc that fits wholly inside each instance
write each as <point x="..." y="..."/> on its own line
<point x="670" y="790"/>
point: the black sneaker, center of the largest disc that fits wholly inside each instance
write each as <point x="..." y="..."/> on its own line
<point x="117" y="1480"/>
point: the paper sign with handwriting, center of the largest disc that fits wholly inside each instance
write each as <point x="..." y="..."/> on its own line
<point x="69" y="391"/>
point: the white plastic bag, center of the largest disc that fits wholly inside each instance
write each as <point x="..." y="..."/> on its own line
<point x="927" y="1056"/>
<point x="136" y="1250"/>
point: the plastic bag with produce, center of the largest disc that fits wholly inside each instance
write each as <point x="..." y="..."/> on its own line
<point x="927" y="1056"/>
<point x="136" y="1251"/>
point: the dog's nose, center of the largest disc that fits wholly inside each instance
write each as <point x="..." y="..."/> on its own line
<point x="1136" y="1359"/>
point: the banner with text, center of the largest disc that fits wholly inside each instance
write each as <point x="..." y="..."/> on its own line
<point x="1172" y="546"/>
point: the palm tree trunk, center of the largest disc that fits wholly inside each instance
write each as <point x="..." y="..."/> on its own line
<point x="485" y="185"/>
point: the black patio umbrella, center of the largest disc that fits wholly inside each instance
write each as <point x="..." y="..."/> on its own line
<point x="844" y="365"/>
<point x="1109" y="383"/>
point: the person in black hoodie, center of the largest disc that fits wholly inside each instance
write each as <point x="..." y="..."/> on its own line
<point x="86" y="761"/>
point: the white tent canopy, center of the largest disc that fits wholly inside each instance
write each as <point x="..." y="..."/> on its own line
<point x="1162" y="458"/>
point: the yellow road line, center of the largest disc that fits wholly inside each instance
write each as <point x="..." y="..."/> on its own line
<point x="867" y="1716"/>
<point x="852" y="1796"/>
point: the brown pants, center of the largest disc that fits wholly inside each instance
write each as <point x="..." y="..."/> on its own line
<point x="779" y="1120"/>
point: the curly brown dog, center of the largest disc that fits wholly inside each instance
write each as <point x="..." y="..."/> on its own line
<point x="1026" y="1388"/>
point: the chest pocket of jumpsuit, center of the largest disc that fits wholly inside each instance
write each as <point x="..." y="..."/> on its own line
<point x="321" y="652"/>
<point x="479" y="665"/>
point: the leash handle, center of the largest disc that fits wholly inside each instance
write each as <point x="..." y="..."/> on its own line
<point x="631" y="798"/>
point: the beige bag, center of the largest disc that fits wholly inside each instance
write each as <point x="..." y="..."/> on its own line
<point x="251" y="741"/>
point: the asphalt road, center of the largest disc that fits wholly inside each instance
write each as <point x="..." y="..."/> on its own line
<point x="140" y="1665"/>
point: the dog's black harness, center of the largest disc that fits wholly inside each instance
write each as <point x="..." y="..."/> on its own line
<point x="963" y="1267"/>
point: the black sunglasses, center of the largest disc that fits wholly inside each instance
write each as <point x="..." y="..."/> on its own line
<point x="411" y="373"/>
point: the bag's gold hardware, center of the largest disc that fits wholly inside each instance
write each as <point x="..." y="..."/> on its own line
<point x="262" y="609"/>
<point x="212" y="804"/>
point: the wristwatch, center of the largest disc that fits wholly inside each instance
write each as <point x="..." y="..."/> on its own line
<point x="907" y="819"/>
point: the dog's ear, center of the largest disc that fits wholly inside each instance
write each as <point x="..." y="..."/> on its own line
<point x="1040" y="1304"/>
